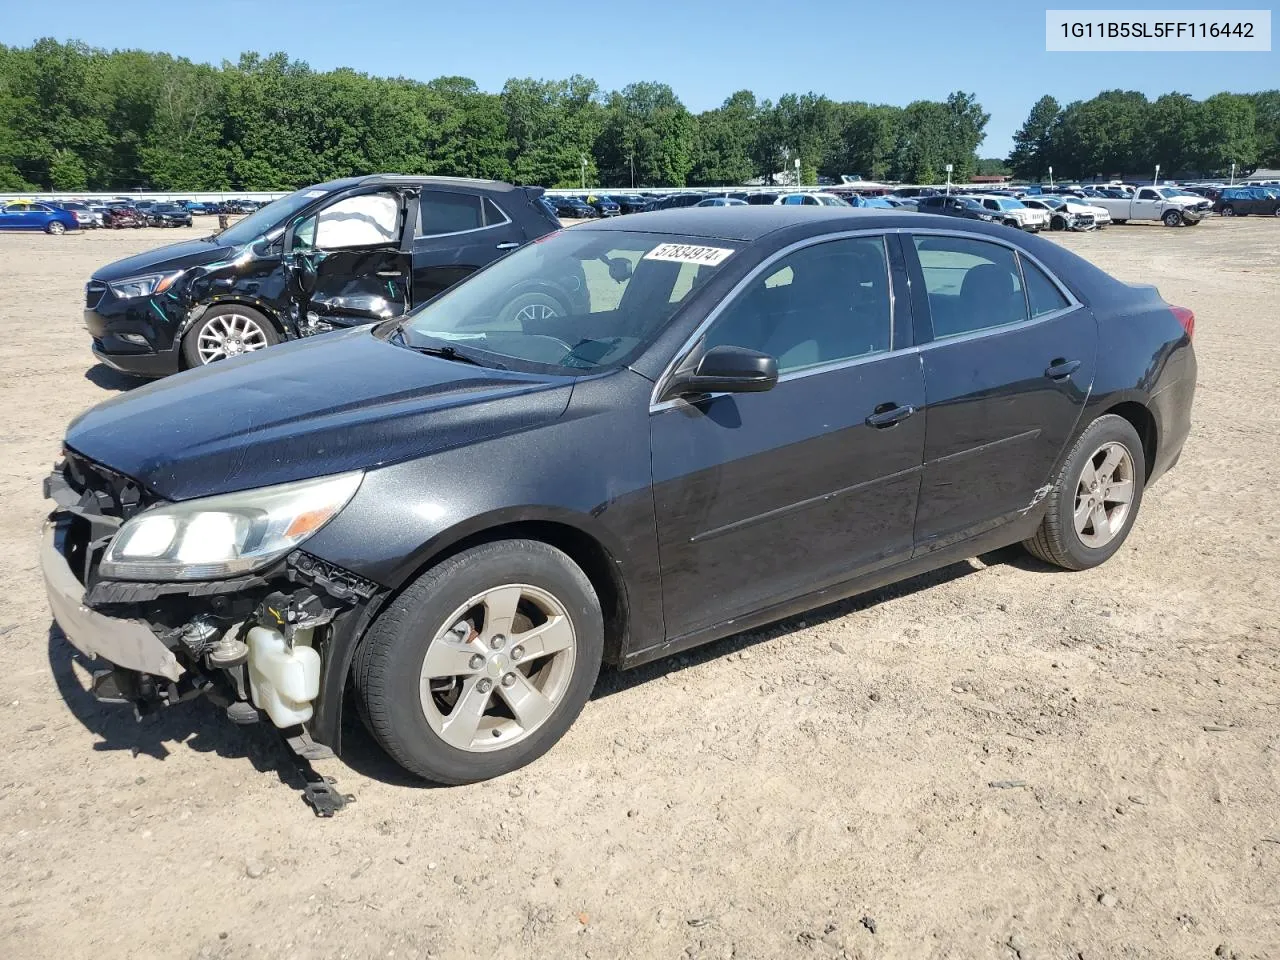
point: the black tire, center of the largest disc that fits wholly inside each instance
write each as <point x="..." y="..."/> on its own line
<point x="191" y="339"/>
<point x="1113" y="220"/>
<point x="1056" y="541"/>
<point x="1172" y="218"/>
<point x="1228" y="211"/>
<point x="388" y="663"/>
<point x="1058" y="223"/>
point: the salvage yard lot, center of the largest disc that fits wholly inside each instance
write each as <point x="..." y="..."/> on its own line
<point x="993" y="760"/>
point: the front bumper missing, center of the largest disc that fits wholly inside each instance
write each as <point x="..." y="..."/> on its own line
<point x="123" y="643"/>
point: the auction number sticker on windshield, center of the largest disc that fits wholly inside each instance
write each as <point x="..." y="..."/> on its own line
<point x="689" y="253"/>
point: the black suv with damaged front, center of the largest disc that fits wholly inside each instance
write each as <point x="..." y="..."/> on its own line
<point x="339" y="254"/>
<point x="458" y="515"/>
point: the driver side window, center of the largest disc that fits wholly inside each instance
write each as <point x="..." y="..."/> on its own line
<point x="825" y="303"/>
<point x="368" y="220"/>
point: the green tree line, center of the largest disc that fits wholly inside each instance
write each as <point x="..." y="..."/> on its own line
<point x="1122" y="132"/>
<point x="77" y="118"/>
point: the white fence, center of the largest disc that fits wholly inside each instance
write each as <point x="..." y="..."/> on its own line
<point x="200" y="195"/>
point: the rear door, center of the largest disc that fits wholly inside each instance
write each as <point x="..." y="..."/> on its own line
<point x="459" y="231"/>
<point x="358" y="248"/>
<point x="1008" y="357"/>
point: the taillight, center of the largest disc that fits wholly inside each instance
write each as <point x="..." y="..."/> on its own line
<point x="1186" y="318"/>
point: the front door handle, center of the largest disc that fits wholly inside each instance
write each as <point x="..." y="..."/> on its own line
<point x="509" y="245"/>
<point x="1060" y="369"/>
<point x="889" y="414"/>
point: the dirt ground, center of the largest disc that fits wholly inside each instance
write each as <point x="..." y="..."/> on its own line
<point x="835" y="785"/>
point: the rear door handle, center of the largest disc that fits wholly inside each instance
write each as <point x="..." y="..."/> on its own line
<point x="889" y="414"/>
<point x="1061" y="369"/>
<point x="509" y="245"/>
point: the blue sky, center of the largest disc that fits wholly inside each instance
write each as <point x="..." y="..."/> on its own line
<point x="882" y="53"/>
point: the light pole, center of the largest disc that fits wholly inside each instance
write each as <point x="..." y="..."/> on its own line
<point x="1051" y="178"/>
<point x="950" y="167"/>
<point x="797" y="171"/>
<point x="631" y="159"/>
<point x="1233" y="173"/>
<point x="583" y="158"/>
<point x="1156" y="181"/>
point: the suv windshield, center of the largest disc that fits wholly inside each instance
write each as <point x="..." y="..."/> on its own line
<point x="1008" y="203"/>
<point x="266" y="217"/>
<point x="580" y="299"/>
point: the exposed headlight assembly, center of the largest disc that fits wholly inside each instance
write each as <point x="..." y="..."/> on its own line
<point x="226" y="535"/>
<point x="144" y="286"/>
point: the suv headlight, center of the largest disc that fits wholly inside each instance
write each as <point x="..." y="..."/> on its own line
<point x="226" y="535"/>
<point x="144" y="286"/>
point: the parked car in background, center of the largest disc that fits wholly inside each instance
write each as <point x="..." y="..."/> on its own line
<point x="858" y="200"/>
<point x="761" y="199"/>
<point x="33" y="215"/>
<point x="1244" y="201"/>
<point x="604" y="206"/>
<point x="87" y="219"/>
<point x="1165" y="204"/>
<point x="458" y="520"/>
<point x="574" y="208"/>
<point x="810" y="200"/>
<point x="630" y="202"/>
<point x="1014" y="213"/>
<point x="192" y="206"/>
<point x="900" y="203"/>
<point x="720" y="202"/>
<point x="677" y="200"/>
<point x="120" y="217"/>
<point x="337" y="254"/>
<point x="964" y="207"/>
<point x="1068" y="213"/>
<point x="168" y="215"/>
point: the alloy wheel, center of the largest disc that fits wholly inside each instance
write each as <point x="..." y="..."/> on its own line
<point x="498" y="668"/>
<point x="535" y="311"/>
<point x="1104" y="495"/>
<point x="229" y="335"/>
<point x="56" y="228"/>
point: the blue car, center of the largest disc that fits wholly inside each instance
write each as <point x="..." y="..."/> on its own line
<point x="33" y="215"/>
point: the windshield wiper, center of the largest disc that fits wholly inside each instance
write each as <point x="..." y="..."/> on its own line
<point x="445" y="350"/>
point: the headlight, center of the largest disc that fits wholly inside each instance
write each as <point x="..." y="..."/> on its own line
<point x="145" y="286"/>
<point x="225" y="535"/>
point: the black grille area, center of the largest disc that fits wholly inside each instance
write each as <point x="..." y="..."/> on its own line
<point x="93" y="502"/>
<point x="94" y="291"/>
<point x="102" y="490"/>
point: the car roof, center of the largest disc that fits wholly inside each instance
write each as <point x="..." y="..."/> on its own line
<point x="753" y="221"/>
<point x="390" y="178"/>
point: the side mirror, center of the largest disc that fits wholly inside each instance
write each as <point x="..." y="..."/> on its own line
<point x="726" y="369"/>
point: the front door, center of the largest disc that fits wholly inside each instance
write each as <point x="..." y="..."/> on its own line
<point x="761" y="497"/>
<point x="1147" y="205"/>
<point x="1008" y="362"/>
<point x="458" y="232"/>
<point x="358" y="250"/>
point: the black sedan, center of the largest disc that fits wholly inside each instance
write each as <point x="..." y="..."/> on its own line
<point x="168" y="215"/>
<point x="630" y="202"/>
<point x="966" y="208"/>
<point x="573" y="208"/>
<point x="460" y="518"/>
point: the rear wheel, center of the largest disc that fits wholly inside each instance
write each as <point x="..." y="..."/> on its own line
<point x="482" y="663"/>
<point x="227" y="331"/>
<point x="1095" y="498"/>
<point x="1172" y="218"/>
<point x="55" y="227"/>
<point x="1228" y="211"/>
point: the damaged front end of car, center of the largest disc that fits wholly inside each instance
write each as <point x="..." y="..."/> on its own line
<point x="209" y="597"/>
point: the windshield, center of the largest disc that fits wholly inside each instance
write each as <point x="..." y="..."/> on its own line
<point x="1169" y="192"/>
<point x="579" y="299"/>
<point x="264" y="218"/>
<point x="1008" y="203"/>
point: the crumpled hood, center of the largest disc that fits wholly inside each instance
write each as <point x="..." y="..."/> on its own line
<point x="309" y="408"/>
<point x="173" y="256"/>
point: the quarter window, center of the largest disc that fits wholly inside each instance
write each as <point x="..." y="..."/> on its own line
<point x="442" y="212"/>
<point x="493" y="215"/>
<point x="1042" y="295"/>
<point x="972" y="285"/>
<point x="824" y="303"/>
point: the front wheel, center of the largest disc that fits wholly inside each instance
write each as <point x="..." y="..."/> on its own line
<point x="481" y="665"/>
<point x="227" y="331"/>
<point x="1172" y="218"/>
<point x="1058" y="223"/>
<point x="55" y="228"/>
<point x="1095" y="498"/>
<point x="1228" y="211"/>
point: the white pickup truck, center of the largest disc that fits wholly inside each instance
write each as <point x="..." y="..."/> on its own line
<point x="1168" y="204"/>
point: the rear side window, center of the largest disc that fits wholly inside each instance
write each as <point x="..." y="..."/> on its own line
<point x="824" y="303"/>
<point x="493" y="214"/>
<point x="442" y="212"/>
<point x="972" y="285"/>
<point x="1042" y="295"/>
